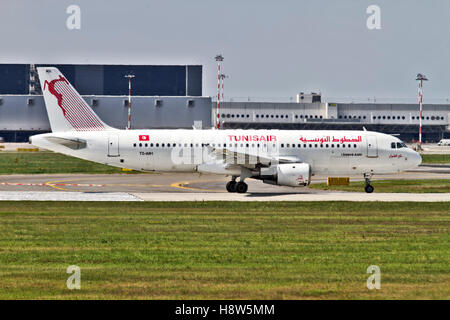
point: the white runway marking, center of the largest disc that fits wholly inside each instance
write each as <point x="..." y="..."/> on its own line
<point x="66" y="196"/>
<point x="329" y="196"/>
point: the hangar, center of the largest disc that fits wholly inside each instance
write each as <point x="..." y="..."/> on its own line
<point x="164" y="96"/>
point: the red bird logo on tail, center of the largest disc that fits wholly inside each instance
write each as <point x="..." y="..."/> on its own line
<point x="52" y="90"/>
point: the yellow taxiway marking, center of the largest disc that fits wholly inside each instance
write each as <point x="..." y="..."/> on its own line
<point x="179" y="185"/>
<point x="182" y="185"/>
<point x="50" y="184"/>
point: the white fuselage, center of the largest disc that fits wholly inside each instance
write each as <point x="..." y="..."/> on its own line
<point x="327" y="152"/>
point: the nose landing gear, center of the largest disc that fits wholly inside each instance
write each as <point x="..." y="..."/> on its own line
<point x="368" y="188"/>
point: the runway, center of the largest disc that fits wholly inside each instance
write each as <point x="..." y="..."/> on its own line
<point x="193" y="187"/>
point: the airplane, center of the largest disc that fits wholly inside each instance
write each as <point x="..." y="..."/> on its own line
<point x="278" y="157"/>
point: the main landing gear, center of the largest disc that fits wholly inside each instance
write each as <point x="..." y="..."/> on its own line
<point x="239" y="187"/>
<point x="368" y="188"/>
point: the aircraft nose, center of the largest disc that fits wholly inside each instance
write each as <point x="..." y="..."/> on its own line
<point x="416" y="159"/>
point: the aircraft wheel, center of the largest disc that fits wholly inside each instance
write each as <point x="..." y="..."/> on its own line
<point x="241" y="187"/>
<point x="368" y="188"/>
<point x="231" y="186"/>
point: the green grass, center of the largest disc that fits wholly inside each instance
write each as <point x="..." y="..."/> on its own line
<point x="393" y="186"/>
<point x="436" y="158"/>
<point x="224" y="250"/>
<point x="49" y="162"/>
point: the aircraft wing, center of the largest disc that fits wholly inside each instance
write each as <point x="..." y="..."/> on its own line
<point x="250" y="159"/>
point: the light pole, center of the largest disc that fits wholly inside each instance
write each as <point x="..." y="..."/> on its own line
<point x="129" y="77"/>
<point x="420" y="78"/>
<point x="219" y="59"/>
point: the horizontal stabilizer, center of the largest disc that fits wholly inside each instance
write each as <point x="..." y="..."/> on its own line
<point x="74" y="144"/>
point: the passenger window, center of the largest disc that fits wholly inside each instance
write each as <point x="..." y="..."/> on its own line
<point x="134" y="145"/>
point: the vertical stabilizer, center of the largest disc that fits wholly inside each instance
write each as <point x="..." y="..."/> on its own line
<point x="66" y="109"/>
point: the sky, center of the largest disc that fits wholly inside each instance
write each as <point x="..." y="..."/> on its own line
<point x="272" y="49"/>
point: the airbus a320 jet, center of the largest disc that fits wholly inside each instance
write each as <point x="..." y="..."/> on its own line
<point x="279" y="157"/>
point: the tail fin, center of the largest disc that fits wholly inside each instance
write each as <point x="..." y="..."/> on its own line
<point x="66" y="109"/>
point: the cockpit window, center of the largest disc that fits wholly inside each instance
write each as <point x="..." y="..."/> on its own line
<point x="398" y="145"/>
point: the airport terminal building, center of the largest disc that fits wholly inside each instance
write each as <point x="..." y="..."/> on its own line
<point x="309" y="113"/>
<point x="171" y="96"/>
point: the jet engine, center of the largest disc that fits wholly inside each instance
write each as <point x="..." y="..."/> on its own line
<point x="290" y="174"/>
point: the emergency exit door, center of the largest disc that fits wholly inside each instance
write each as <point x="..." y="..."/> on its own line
<point x="113" y="146"/>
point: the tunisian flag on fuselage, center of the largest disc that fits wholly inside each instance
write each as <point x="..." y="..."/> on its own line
<point x="144" y="137"/>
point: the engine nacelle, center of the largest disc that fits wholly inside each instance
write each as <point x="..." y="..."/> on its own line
<point x="291" y="175"/>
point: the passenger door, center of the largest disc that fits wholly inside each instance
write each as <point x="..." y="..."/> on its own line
<point x="372" y="148"/>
